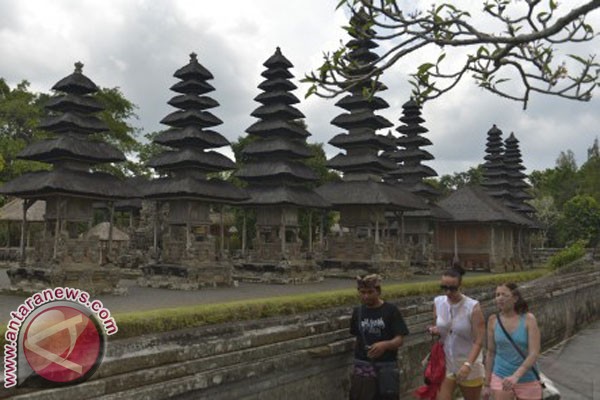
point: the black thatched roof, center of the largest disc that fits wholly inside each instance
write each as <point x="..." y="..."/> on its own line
<point x="362" y="137"/>
<point x="278" y="60"/>
<point x="370" y="193"/>
<point x="265" y="170"/>
<point x="361" y="119"/>
<point x="71" y="122"/>
<point x="474" y="204"/>
<point x="184" y="118"/>
<point x="361" y="163"/>
<point x="434" y="212"/>
<point x="350" y="103"/>
<point x="192" y="158"/>
<point x="273" y="111"/>
<point x="191" y="136"/>
<point x="273" y="146"/>
<point x="277" y="85"/>
<point x="190" y="101"/>
<point x="285" y="195"/>
<point x="277" y="97"/>
<point x="76" y="83"/>
<point x="70" y="102"/>
<point x="68" y="147"/>
<point x="278" y="128"/>
<point x="193" y="70"/>
<point x="213" y="190"/>
<point x="192" y="86"/>
<point x="41" y="184"/>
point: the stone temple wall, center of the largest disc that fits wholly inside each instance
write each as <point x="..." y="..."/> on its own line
<point x="303" y="356"/>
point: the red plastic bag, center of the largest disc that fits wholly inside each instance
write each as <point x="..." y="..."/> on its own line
<point x="435" y="372"/>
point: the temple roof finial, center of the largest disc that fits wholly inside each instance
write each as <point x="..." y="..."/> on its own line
<point x="79" y="67"/>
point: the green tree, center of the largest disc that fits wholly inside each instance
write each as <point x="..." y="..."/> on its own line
<point x="547" y="215"/>
<point x="448" y="183"/>
<point x="509" y="48"/>
<point x="21" y="111"/>
<point x="581" y="220"/>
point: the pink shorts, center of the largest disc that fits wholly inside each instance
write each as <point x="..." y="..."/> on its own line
<point x="523" y="391"/>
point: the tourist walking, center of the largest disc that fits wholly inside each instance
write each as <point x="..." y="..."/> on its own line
<point x="379" y="330"/>
<point x="509" y="373"/>
<point x="460" y="324"/>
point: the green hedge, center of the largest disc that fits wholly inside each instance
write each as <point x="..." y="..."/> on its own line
<point x="568" y="255"/>
<point x="161" y="320"/>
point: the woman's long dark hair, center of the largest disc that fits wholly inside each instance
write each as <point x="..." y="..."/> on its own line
<point x="521" y="306"/>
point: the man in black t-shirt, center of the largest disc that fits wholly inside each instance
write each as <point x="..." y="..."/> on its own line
<point x="379" y="329"/>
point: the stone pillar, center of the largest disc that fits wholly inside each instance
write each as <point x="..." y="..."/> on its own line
<point x="310" y="244"/>
<point x="244" y="234"/>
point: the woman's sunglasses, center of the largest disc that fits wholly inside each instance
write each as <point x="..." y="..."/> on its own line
<point x="449" y="288"/>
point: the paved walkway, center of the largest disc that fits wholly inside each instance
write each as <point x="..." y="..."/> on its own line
<point x="138" y="298"/>
<point x="574" y="365"/>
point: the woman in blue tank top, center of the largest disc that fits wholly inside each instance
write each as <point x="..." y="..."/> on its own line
<point x="508" y="375"/>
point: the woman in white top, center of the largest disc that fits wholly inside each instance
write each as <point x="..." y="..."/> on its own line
<point x="460" y="323"/>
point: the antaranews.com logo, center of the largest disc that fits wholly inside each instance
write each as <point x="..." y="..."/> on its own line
<point x="56" y="337"/>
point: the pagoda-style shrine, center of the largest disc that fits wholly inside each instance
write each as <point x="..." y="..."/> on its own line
<point x="488" y="229"/>
<point x="187" y="255"/>
<point x="64" y="256"/>
<point x="415" y="228"/>
<point x="513" y="164"/>
<point x="494" y="174"/>
<point x="362" y="198"/>
<point x="276" y="176"/>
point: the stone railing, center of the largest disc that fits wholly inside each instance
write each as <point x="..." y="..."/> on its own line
<point x="299" y="357"/>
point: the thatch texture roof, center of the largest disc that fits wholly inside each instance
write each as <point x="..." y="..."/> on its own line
<point x="474" y="204"/>
<point x="13" y="211"/>
<point x="213" y="190"/>
<point x="362" y="137"/>
<point x="70" y="122"/>
<point x="210" y="161"/>
<point x="283" y="195"/>
<point x="191" y="136"/>
<point x="40" y="184"/>
<point x="269" y="146"/>
<point x="370" y="193"/>
<point x="295" y="171"/>
<point x="68" y="147"/>
<point x="102" y="230"/>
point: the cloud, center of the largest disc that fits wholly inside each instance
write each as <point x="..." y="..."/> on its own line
<point x="137" y="45"/>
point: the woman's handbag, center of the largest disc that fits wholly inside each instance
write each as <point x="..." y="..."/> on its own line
<point x="549" y="390"/>
<point x="435" y="372"/>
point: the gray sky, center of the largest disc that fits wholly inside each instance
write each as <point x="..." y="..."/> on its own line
<point x="138" y="44"/>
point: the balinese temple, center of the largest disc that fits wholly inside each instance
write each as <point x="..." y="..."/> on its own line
<point x="277" y="181"/>
<point x="513" y="164"/>
<point x="187" y="255"/>
<point x="486" y="231"/>
<point x="415" y="228"/>
<point x="494" y="173"/>
<point x="63" y="256"/>
<point x="362" y="198"/>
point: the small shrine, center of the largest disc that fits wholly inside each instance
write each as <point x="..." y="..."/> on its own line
<point x="64" y="256"/>
<point x="277" y="181"/>
<point x="362" y="198"/>
<point x="513" y="164"/>
<point x="186" y="254"/>
<point x="488" y="231"/>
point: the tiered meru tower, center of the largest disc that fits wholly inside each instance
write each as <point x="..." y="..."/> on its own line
<point x="188" y="252"/>
<point x="513" y="163"/>
<point x="362" y="198"/>
<point x="494" y="174"/>
<point x="62" y="257"/>
<point x="278" y="181"/>
<point x="415" y="228"/>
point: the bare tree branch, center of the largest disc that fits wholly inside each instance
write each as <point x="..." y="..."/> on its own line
<point x="524" y="49"/>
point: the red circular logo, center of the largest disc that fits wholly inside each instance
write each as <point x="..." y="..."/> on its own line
<point x="62" y="344"/>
